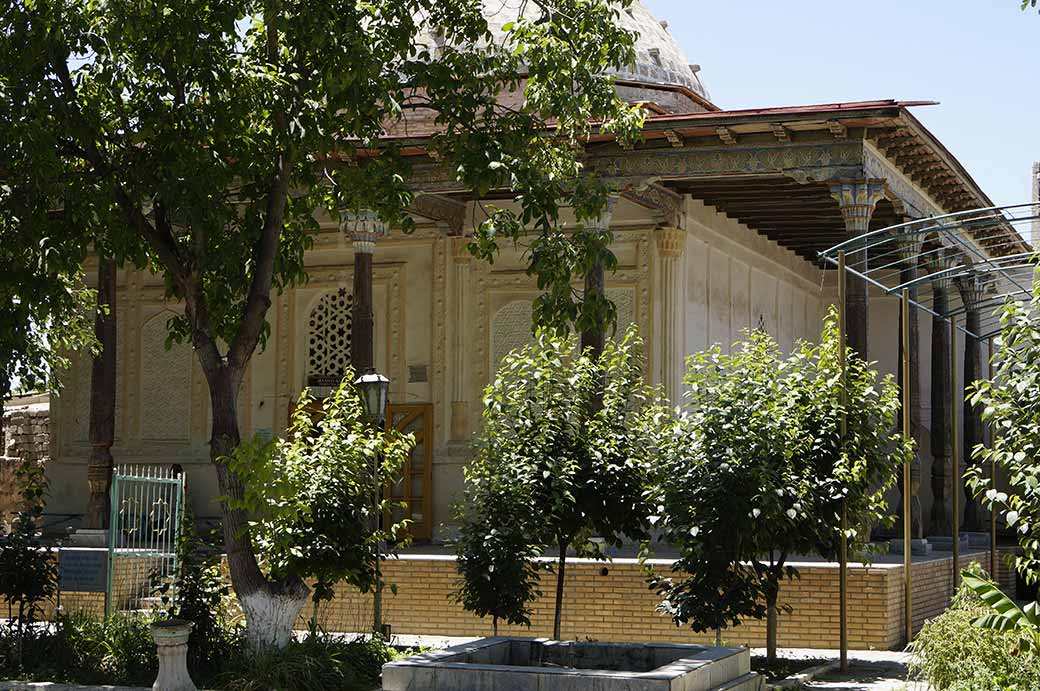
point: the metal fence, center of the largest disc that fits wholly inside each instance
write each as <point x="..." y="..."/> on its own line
<point x="144" y="528"/>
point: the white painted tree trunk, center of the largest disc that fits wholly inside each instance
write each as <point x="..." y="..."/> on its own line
<point x="270" y="618"/>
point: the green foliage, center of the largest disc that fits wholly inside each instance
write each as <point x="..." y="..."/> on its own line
<point x="198" y="593"/>
<point x="319" y="661"/>
<point x="173" y="132"/>
<point x="496" y="563"/>
<point x="757" y="471"/>
<point x="1005" y="614"/>
<point x="565" y="454"/>
<point x="28" y="573"/>
<point x="312" y="494"/>
<point x="1010" y="403"/>
<point x="951" y="653"/>
<point x="81" y="649"/>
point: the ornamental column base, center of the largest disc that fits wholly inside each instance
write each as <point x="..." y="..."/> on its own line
<point x="459" y="421"/>
<point x="99" y="480"/>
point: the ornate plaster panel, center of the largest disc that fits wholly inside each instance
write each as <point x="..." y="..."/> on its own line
<point x="165" y="385"/>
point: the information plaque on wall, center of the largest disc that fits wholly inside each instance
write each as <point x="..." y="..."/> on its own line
<point x="82" y="570"/>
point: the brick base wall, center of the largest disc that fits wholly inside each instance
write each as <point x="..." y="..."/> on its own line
<point x="618" y="606"/>
<point x="610" y="601"/>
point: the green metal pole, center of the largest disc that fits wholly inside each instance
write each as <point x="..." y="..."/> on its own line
<point x="955" y="460"/>
<point x="113" y="531"/>
<point x="843" y="543"/>
<point x="908" y="577"/>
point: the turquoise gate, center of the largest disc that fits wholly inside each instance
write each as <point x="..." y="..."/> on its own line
<point x="143" y="533"/>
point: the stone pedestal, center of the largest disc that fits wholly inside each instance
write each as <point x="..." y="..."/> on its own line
<point x="944" y="543"/>
<point x="976" y="539"/>
<point x="85" y="537"/>
<point x="920" y="547"/>
<point x="171" y="645"/>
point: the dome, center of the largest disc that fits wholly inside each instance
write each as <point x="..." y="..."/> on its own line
<point x="659" y="59"/>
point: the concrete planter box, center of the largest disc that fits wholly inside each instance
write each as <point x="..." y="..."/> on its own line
<point x="532" y="664"/>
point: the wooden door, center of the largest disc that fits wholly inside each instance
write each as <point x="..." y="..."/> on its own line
<point x="413" y="486"/>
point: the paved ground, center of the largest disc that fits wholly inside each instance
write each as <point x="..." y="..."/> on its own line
<point x="870" y="670"/>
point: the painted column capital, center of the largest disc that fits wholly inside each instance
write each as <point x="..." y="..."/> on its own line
<point x="974" y="288"/>
<point x="364" y="228"/>
<point x="857" y="200"/>
<point x="601" y="224"/>
<point x="671" y="242"/>
<point x="941" y="264"/>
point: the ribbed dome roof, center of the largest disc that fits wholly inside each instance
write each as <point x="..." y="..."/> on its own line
<point x="659" y="59"/>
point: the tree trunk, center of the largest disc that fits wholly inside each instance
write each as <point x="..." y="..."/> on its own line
<point x="592" y="339"/>
<point x="5" y="393"/>
<point x="771" y="627"/>
<point x="494" y="626"/>
<point x="270" y="608"/>
<point x="102" y="399"/>
<point x="560" y="576"/>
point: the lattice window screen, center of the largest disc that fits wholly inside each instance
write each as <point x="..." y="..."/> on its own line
<point x="328" y="339"/>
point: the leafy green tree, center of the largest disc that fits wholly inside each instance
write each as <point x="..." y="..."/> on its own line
<point x="28" y="572"/>
<point x="203" y="136"/>
<point x="731" y="494"/>
<point x="567" y="445"/>
<point x="1009" y="403"/>
<point x="312" y="496"/>
<point x="498" y="567"/>
<point x="758" y="471"/>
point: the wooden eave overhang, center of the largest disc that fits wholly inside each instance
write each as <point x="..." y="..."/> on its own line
<point x="774" y="169"/>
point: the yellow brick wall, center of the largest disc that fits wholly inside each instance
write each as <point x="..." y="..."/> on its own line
<point x="618" y="606"/>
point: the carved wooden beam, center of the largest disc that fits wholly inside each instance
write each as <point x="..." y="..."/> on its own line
<point x="667" y="206"/>
<point x="447" y="212"/>
<point x="837" y="129"/>
<point x="780" y="132"/>
<point x="726" y="135"/>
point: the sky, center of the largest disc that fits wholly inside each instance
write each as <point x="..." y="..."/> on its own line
<point x="978" y="58"/>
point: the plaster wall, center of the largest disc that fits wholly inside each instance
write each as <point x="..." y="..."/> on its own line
<point x="443" y="321"/>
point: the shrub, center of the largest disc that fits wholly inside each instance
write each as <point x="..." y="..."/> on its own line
<point x="319" y="661"/>
<point x="311" y="494"/>
<point x="199" y="594"/>
<point x="952" y="654"/>
<point x="82" y="649"/>
<point x="28" y="575"/>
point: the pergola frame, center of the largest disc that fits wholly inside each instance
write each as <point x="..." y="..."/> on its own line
<point x="968" y="249"/>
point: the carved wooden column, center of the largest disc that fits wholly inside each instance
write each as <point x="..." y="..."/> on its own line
<point x="941" y="396"/>
<point x="364" y="227"/>
<point x="973" y="291"/>
<point x="857" y="201"/>
<point x="595" y="282"/>
<point x="102" y="399"/>
<point x="671" y="253"/>
<point x="909" y="249"/>
<point x="460" y="403"/>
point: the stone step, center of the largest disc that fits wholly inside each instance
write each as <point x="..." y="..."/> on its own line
<point x="747" y="682"/>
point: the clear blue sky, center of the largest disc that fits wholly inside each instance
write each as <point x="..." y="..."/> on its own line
<point x="978" y="58"/>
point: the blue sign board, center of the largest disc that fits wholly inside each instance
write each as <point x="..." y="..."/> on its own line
<point x="82" y="570"/>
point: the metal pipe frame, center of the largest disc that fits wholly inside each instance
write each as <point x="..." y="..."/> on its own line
<point x="843" y="541"/>
<point x="908" y="576"/>
<point x="956" y="481"/>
